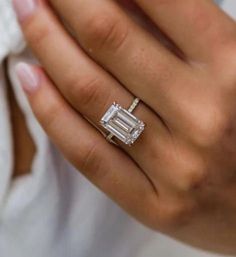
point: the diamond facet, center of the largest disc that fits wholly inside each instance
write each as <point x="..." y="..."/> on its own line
<point x="122" y="124"/>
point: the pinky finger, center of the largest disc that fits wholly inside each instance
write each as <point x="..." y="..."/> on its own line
<point x="106" y="166"/>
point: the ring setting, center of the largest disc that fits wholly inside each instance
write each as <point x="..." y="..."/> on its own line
<point x="122" y="124"/>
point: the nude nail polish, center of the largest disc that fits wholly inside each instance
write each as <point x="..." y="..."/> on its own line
<point x="28" y="77"/>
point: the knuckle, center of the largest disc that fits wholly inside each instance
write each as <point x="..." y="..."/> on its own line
<point x="90" y="162"/>
<point x="37" y="31"/>
<point x="176" y="215"/>
<point x="50" y="113"/>
<point x="105" y="31"/>
<point x="192" y="172"/>
<point x="193" y="179"/>
<point x="86" y="91"/>
<point x="211" y="128"/>
<point x="167" y="214"/>
<point x="190" y="168"/>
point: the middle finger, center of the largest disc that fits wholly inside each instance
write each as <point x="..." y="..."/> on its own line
<point x="132" y="55"/>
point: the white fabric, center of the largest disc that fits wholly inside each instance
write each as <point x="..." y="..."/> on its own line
<point x="10" y="36"/>
<point x="54" y="211"/>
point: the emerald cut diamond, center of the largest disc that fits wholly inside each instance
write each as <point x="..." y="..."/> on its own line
<point x="122" y="124"/>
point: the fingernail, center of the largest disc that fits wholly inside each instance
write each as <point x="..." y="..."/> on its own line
<point x="28" y="77"/>
<point x="24" y="8"/>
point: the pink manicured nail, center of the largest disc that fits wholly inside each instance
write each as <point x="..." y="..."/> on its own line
<point x="24" y="8"/>
<point x="28" y="77"/>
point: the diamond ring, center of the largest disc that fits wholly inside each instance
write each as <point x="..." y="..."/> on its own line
<point x="122" y="124"/>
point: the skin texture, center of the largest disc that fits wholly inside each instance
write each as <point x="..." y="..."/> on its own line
<point x="180" y="176"/>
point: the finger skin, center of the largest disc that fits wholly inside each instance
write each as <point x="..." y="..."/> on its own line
<point x="198" y="27"/>
<point x="131" y="54"/>
<point x="91" y="92"/>
<point x="103" y="164"/>
<point x="88" y="88"/>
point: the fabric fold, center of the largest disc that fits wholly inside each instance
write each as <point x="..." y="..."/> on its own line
<point x="11" y="38"/>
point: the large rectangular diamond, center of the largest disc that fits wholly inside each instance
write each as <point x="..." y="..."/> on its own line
<point x="122" y="124"/>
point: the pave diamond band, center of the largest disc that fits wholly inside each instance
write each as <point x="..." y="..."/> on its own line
<point x="134" y="105"/>
<point x="122" y="124"/>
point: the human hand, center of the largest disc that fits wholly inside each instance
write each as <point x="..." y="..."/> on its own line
<point x="179" y="177"/>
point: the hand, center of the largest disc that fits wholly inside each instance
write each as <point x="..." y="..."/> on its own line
<point x="180" y="176"/>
